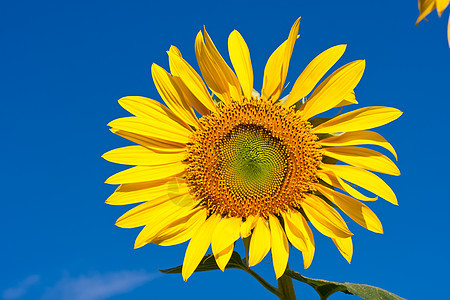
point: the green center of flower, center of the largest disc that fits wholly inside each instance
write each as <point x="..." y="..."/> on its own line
<point x="253" y="162"/>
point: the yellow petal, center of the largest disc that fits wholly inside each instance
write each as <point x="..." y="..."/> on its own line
<point x="293" y="232"/>
<point x="180" y="68"/>
<point x="152" y="128"/>
<point x="425" y="7"/>
<point x="172" y="96"/>
<point x="233" y="82"/>
<point x="156" y="209"/>
<point x="293" y="35"/>
<point x="247" y="226"/>
<point x="160" y="222"/>
<point x="175" y="50"/>
<point x="149" y="108"/>
<point x="147" y="173"/>
<point x="198" y="245"/>
<point x="180" y="233"/>
<point x="272" y="72"/>
<point x="333" y="180"/>
<point x="364" y="179"/>
<point x="300" y="235"/>
<point x="364" y="158"/>
<point x="448" y="31"/>
<point x="360" y="119"/>
<point x="178" y="83"/>
<point x="345" y="246"/>
<point x="279" y="246"/>
<point x="189" y="97"/>
<point x="225" y="234"/>
<point x="333" y="89"/>
<point x="350" y="98"/>
<point x="138" y="155"/>
<point x="144" y="191"/>
<point x="240" y="58"/>
<point x="259" y="242"/>
<point x="441" y="5"/>
<point x="308" y="255"/>
<point x="362" y="137"/>
<point x="219" y="71"/>
<point x="211" y="72"/>
<point x="312" y="74"/>
<point x="325" y="218"/>
<point x="133" y="187"/>
<point x="222" y="258"/>
<point x="356" y="210"/>
<point x="278" y="64"/>
<point x="154" y="144"/>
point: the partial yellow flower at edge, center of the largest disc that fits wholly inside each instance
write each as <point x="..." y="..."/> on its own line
<point x="427" y="6"/>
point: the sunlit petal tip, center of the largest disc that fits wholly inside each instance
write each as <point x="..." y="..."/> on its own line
<point x="199" y="37"/>
<point x="341" y="48"/>
<point x="140" y="242"/>
<point x="345" y="246"/>
<point x="222" y="258"/>
<point x="362" y="62"/>
<point x="175" y="50"/>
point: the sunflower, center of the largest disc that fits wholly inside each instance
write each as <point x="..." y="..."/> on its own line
<point x="253" y="166"/>
<point x="427" y="6"/>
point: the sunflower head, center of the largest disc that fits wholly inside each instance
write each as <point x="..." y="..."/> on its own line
<point x="250" y="166"/>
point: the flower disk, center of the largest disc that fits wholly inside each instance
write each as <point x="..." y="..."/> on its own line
<point x="252" y="157"/>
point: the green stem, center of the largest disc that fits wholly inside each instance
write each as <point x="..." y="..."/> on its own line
<point x="286" y="288"/>
<point x="264" y="283"/>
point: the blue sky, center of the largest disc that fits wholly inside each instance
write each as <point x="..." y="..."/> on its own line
<point x="65" y="64"/>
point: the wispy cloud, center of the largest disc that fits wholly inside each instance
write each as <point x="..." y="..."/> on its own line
<point x="21" y="288"/>
<point x="97" y="286"/>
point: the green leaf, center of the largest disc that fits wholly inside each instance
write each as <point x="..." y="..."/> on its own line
<point x="208" y="263"/>
<point x="325" y="288"/>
